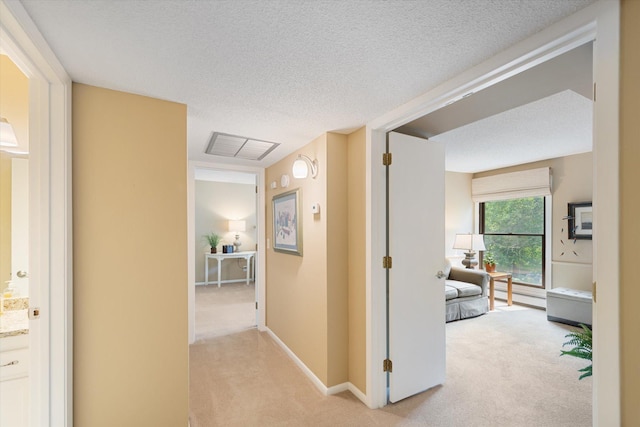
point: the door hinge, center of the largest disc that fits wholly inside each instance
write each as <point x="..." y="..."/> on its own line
<point x="386" y="159"/>
<point x="387" y="262"/>
<point x="387" y="365"/>
<point x="595" y="286"/>
<point x="256" y="305"/>
<point x="594" y="92"/>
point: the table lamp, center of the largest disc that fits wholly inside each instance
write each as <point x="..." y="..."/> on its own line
<point x="237" y="227"/>
<point x="469" y="243"/>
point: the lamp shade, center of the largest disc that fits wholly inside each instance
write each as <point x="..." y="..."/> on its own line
<point x="7" y="135"/>
<point x="300" y="169"/>
<point x="471" y="242"/>
<point x="238" y="225"/>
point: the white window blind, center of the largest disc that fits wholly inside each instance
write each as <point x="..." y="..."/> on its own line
<point x="513" y="185"/>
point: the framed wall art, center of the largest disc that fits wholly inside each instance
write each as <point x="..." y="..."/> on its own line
<point x="287" y="223"/>
<point x="580" y="220"/>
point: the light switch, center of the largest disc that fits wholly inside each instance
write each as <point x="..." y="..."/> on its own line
<point x="315" y="208"/>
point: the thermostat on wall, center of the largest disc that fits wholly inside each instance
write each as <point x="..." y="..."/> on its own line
<point x="315" y="208"/>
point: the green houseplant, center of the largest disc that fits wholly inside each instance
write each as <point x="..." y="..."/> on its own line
<point x="582" y="342"/>
<point x="213" y="239"/>
<point x="489" y="262"/>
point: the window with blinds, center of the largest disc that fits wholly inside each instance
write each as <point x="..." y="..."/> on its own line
<point x="512" y="218"/>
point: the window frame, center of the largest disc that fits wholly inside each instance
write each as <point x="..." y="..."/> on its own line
<point x="481" y="227"/>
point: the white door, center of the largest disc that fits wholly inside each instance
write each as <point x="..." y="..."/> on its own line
<point x="416" y="245"/>
<point x="20" y="226"/>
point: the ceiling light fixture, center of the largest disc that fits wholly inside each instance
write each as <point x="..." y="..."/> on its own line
<point x="301" y="167"/>
<point x="7" y="135"/>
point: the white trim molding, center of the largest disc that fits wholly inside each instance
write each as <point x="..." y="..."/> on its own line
<point x="326" y="391"/>
<point x="50" y="336"/>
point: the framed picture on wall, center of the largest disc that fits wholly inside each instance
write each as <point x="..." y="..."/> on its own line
<point x="287" y="223"/>
<point x="581" y="220"/>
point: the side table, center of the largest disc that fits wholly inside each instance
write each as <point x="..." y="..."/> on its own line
<point x="492" y="291"/>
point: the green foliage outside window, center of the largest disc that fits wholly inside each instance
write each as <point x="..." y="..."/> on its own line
<point x="514" y="233"/>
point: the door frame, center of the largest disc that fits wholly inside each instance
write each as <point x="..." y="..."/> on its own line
<point x="50" y="253"/>
<point x="600" y="19"/>
<point x="260" y="258"/>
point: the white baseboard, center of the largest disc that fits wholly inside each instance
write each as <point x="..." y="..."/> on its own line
<point x="315" y="380"/>
<point x="357" y="393"/>
<point x="339" y="388"/>
<point x="327" y="391"/>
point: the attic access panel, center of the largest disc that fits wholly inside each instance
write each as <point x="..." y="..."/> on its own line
<point x="222" y="144"/>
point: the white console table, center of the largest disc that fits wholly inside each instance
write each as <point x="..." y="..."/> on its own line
<point x="247" y="255"/>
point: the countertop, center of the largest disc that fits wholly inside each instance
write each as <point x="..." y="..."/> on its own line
<point x="14" y="322"/>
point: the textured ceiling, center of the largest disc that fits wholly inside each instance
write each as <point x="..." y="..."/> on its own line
<point x="283" y="71"/>
<point x="562" y="126"/>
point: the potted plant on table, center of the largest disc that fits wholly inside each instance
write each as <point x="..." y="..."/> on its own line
<point x="489" y="262"/>
<point x="213" y="239"/>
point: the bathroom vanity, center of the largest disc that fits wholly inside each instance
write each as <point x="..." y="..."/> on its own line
<point x="14" y="364"/>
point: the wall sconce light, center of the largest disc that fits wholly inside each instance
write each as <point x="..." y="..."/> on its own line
<point x="7" y="135"/>
<point x="301" y="167"/>
<point x="237" y="227"/>
<point x="470" y="243"/>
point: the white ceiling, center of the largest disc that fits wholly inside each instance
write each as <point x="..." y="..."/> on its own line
<point x="283" y="70"/>
<point x="551" y="127"/>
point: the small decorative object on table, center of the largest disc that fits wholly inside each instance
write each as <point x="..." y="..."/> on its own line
<point x="213" y="239"/>
<point x="489" y="262"/>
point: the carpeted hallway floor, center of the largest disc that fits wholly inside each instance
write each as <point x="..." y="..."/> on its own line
<point x="503" y="369"/>
<point x="224" y="310"/>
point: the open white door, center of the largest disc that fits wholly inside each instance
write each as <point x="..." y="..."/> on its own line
<point x="416" y="245"/>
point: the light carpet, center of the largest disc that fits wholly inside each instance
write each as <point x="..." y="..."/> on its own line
<point x="503" y="369"/>
<point x="224" y="310"/>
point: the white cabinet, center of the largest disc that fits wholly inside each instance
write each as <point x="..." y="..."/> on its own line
<point x="14" y="381"/>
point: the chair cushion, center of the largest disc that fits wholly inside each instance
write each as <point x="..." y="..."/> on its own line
<point x="464" y="289"/>
<point x="450" y="293"/>
<point x="447" y="267"/>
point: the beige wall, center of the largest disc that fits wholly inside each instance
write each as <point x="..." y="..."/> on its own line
<point x="14" y="99"/>
<point x="630" y="206"/>
<point x="215" y="204"/>
<point x="14" y="106"/>
<point x="130" y="260"/>
<point x="337" y="260"/>
<point x="458" y="212"/>
<point x="307" y="296"/>
<point x="296" y="287"/>
<point x="357" y="206"/>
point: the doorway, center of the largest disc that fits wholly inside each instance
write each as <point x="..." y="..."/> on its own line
<point x="50" y="244"/>
<point x="225" y="210"/>
<point x="582" y="27"/>
<point x="196" y="244"/>
<point x="14" y="243"/>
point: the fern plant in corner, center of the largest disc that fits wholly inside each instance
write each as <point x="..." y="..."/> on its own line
<point x="582" y="342"/>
